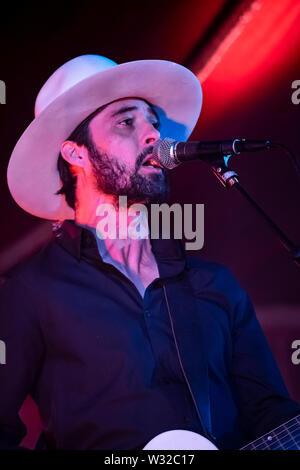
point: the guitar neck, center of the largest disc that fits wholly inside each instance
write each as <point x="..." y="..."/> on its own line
<point x="284" y="437"/>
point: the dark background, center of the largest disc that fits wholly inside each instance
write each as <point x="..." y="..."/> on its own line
<point x="246" y="54"/>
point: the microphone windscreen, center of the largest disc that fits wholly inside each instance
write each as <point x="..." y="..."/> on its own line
<point x="163" y="153"/>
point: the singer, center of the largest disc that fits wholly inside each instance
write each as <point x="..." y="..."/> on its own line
<point x="119" y="341"/>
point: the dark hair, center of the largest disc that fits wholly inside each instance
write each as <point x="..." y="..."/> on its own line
<point x="81" y="136"/>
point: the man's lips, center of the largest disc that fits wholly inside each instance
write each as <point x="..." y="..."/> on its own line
<point x="150" y="162"/>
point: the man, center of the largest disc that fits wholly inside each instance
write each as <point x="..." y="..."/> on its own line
<point x="119" y="340"/>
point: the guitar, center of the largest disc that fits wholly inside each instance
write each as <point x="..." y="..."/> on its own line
<point x="284" y="437"/>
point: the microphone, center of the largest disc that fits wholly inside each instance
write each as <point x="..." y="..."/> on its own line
<point x="169" y="153"/>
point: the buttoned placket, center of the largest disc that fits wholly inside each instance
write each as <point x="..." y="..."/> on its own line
<point x="91" y="254"/>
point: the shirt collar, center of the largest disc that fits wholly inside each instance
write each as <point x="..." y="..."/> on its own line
<point x="80" y="242"/>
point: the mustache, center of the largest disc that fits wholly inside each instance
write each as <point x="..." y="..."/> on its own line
<point x="141" y="156"/>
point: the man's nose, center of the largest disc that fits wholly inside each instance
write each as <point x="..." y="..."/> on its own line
<point x="150" y="134"/>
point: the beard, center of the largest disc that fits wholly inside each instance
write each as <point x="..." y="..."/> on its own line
<point x="113" y="177"/>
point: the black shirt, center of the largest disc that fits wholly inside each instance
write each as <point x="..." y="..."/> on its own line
<point x="110" y="369"/>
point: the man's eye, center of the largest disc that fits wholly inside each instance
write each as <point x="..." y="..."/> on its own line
<point x="156" y="124"/>
<point x="127" y="122"/>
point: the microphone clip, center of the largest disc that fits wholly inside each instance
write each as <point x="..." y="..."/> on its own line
<point x="225" y="175"/>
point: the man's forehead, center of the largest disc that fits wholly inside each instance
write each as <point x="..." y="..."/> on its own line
<point x="125" y="104"/>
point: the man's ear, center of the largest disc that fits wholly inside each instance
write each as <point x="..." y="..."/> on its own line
<point x="74" y="154"/>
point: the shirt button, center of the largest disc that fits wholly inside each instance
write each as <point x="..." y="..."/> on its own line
<point x="147" y="313"/>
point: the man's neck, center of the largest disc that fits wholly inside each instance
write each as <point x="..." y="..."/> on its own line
<point x="133" y="256"/>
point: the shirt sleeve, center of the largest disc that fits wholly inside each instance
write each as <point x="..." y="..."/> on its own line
<point x="21" y="358"/>
<point x="261" y="394"/>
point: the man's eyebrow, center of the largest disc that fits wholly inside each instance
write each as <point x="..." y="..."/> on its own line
<point x="123" y="110"/>
<point x="126" y="109"/>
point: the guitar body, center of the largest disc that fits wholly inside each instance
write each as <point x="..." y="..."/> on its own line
<point x="179" y="440"/>
<point x="284" y="437"/>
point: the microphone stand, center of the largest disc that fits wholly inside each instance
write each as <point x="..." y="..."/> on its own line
<point x="229" y="179"/>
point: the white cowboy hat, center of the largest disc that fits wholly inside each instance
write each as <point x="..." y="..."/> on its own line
<point x="71" y="94"/>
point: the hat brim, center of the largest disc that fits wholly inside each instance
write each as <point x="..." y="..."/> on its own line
<point x="32" y="174"/>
